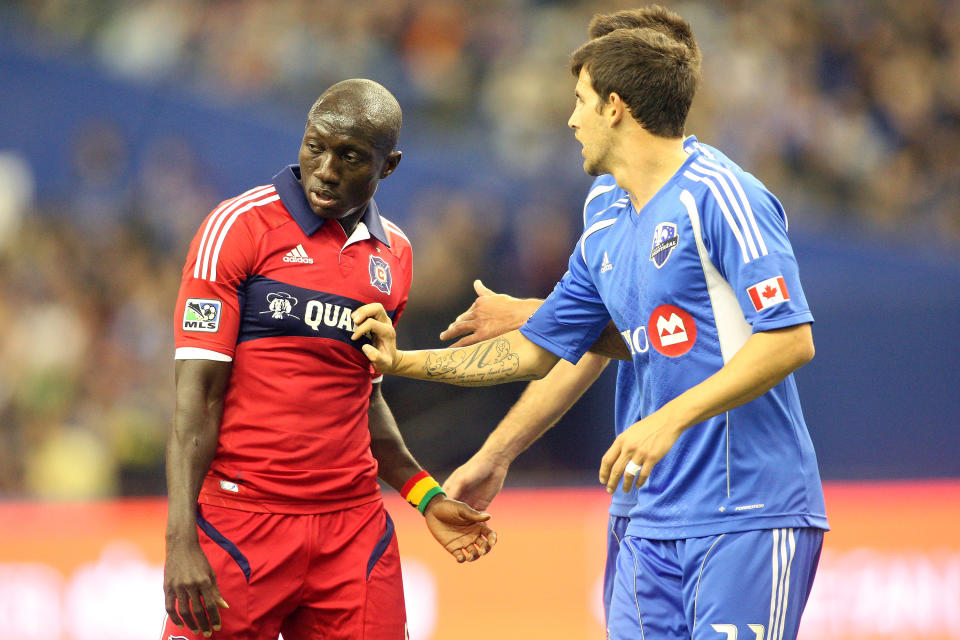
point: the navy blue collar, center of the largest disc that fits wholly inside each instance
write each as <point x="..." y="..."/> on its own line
<point x="291" y="193"/>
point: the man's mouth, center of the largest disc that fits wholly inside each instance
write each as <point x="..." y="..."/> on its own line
<point x="322" y="197"/>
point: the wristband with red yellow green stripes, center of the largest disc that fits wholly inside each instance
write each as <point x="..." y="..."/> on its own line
<point x="420" y="489"/>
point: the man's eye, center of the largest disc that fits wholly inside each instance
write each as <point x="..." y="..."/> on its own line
<point x="351" y="157"/>
<point x="313" y="147"/>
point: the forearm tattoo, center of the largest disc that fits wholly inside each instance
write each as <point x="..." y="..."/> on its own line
<point x="482" y="364"/>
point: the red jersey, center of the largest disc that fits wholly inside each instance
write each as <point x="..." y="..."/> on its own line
<point x="271" y="285"/>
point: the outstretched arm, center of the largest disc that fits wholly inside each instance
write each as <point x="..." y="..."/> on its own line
<point x="493" y="314"/>
<point x="763" y="362"/>
<point x="479" y="480"/>
<point x="503" y="359"/>
<point x="189" y="584"/>
<point x="462" y="531"/>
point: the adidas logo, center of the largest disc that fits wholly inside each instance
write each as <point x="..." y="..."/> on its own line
<point x="606" y="265"/>
<point x="297" y="254"/>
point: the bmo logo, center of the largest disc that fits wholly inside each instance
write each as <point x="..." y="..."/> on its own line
<point x="672" y="330"/>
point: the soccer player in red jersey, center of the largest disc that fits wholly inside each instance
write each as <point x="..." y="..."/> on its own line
<point x="276" y="523"/>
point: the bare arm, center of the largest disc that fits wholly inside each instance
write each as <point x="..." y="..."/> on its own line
<point x="460" y="529"/>
<point x="188" y="578"/>
<point x="396" y="463"/>
<point x="543" y="402"/>
<point x="508" y="357"/>
<point x="763" y="362"/>
<point x="493" y="314"/>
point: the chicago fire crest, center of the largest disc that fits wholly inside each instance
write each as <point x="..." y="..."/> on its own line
<point x="380" y="274"/>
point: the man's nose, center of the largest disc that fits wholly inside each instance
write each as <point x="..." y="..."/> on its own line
<point x="327" y="170"/>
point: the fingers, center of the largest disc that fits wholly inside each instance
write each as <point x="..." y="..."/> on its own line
<point x="616" y="472"/>
<point x="470" y="515"/>
<point x="186" y="614"/>
<point x="608" y="460"/>
<point x="170" y="604"/>
<point x="618" y="463"/>
<point x="630" y="471"/>
<point x="379" y="329"/>
<point x="199" y="613"/>
<point x="374" y="311"/>
<point x="481" y="289"/>
<point x="472" y="551"/>
<point x="464" y="323"/>
<point x="212" y="601"/>
<point x="481" y="545"/>
<point x="456" y="328"/>
<point x="466" y="341"/>
<point x="379" y="360"/>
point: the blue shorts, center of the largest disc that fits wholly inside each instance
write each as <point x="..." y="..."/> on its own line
<point x="616" y="530"/>
<point x="750" y="584"/>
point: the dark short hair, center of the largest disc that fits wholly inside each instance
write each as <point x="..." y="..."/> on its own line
<point x="653" y="17"/>
<point x="654" y="74"/>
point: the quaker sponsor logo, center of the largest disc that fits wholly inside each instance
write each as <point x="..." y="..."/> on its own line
<point x="672" y="330"/>
<point x="768" y="293"/>
<point x="201" y="314"/>
<point x="281" y="304"/>
<point x="274" y="309"/>
<point x="380" y="274"/>
<point x="319" y="314"/>
<point x="665" y="239"/>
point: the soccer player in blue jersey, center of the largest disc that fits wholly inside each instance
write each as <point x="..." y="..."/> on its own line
<point x="693" y="265"/>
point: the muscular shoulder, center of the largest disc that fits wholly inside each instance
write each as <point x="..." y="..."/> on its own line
<point x="232" y="231"/>
<point x="724" y="188"/>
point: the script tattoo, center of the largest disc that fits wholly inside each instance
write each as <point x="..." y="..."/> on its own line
<point x="483" y="364"/>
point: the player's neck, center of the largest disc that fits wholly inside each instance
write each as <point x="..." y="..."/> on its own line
<point x="349" y="223"/>
<point x="648" y="164"/>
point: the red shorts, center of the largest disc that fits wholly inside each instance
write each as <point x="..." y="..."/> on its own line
<point x="329" y="575"/>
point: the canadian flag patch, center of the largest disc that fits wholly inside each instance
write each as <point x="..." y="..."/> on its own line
<point x="768" y="293"/>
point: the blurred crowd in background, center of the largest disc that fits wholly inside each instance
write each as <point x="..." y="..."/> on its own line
<point x="848" y="110"/>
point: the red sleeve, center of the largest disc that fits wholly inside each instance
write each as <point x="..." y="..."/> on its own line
<point x="221" y="256"/>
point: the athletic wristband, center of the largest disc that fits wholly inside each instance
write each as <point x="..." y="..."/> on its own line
<point x="420" y="489"/>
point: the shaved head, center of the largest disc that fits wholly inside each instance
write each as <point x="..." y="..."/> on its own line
<point x="364" y="106"/>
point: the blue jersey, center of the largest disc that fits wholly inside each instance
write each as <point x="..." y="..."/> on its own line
<point x="687" y="280"/>
<point x="599" y="204"/>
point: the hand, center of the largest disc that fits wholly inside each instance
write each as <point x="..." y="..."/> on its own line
<point x="461" y="530"/>
<point x="372" y="320"/>
<point x="477" y="481"/>
<point x="490" y="315"/>
<point x="644" y="443"/>
<point x="190" y="589"/>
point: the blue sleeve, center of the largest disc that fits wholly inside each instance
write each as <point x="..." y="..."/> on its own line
<point x="745" y="234"/>
<point x="572" y="317"/>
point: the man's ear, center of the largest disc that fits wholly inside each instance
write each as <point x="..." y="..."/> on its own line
<point x="390" y="164"/>
<point x="615" y="108"/>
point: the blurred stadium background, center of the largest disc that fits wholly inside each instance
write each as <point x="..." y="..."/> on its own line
<point x="123" y="123"/>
